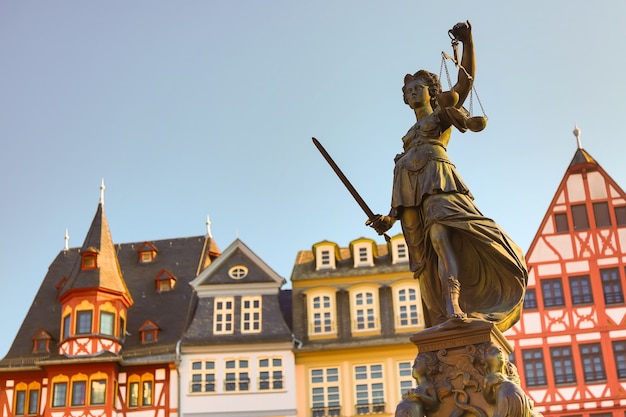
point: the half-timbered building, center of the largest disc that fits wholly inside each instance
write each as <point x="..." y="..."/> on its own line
<point x="101" y="336"/>
<point x="570" y="344"/>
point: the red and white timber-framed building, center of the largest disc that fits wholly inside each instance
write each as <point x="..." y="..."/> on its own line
<point x="570" y="344"/>
<point x="101" y="336"/>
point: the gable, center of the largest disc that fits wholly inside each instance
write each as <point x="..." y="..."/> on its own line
<point x="238" y="265"/>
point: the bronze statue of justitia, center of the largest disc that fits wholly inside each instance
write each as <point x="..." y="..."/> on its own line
<point x="467" y="266"/>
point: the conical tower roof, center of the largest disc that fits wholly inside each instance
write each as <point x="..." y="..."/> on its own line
<point x="107" y="276"/>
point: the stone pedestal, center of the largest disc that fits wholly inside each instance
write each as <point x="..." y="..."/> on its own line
<point x="462" y="369"/>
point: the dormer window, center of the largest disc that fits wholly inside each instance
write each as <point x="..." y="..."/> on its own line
<point x="149" y="332"/>
<point x="61" y="283"/>
<point x="89" y="260"/>
<point x="362" y="252"/>
<point x="399" y="250"/>
<point x="147" y="252"/>
<point x="41" y="341"/>
<point x="165" y="281"/>
<point x="325" y="255"/>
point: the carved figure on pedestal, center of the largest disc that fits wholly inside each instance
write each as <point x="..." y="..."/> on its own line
<point x="423" y="397"/>
<point x="466" y="264"/>
<point x="501" y="387"/>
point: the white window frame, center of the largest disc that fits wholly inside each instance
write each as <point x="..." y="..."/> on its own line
<point x="407" y="307"/>
<point x="399" y="250"/>
<point x="364" y="309"/>
<point x="272" y="374"/>
<point x="240" y="375"/>
<point x="369" y="388"/>
<point x="223" y="315"/>
<point x="362" y="254"/>
<point x="251" y="314"/>
<point x="325" y="257"/>
<point x="405" y="377"/>
<point x="325" y="390"/>
<point x="322" y="313"/>
<point x="207" y="373"/>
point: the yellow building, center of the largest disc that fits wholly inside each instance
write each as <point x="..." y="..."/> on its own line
<point x="354" y="310"/>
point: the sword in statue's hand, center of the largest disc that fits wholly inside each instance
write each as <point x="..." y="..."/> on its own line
<point x="368" y="212"/>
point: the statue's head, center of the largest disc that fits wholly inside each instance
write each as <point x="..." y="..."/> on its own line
<point x="426" y="78"/>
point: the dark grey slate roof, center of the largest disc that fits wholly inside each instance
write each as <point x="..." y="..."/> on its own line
<point x="169" y="310"/>
<point x="273" y="327"/>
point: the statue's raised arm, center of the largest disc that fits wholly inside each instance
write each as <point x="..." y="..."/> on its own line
<point x="462" y="32"/>
<point x="467" y="267"/>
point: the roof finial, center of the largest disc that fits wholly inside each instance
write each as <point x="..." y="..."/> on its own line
<point x="102" y="187"/>
<point x="67" y="240"/>
<point x="208" y="227"/>
<point x="576" y="133"/>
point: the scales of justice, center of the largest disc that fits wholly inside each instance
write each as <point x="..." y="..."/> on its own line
<point x="472" y="276"/>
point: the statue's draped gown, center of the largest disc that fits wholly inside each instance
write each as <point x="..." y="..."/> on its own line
<point x="427" y="189"/>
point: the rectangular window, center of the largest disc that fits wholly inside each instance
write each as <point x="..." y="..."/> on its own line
<point x="325" y="257"/>
<point x="223" y="316"/>
<point x="365" y="311"/>
<point x="369" y="389"/>
<point x="79" y="393"/>
<point x="530" y="299"/>
<point x="563" y="365"/>
<point x="122" y="328"/>
<point x="580" y="287"/>
<point x="552" y="290"/>
<point x="620" y="215"/>
<point x="322" y="315"/>
<point x="619" y="352"/>
<point x="363" y="258"/>
<point x="98" y="392"/>
<point x="593" y="365"/>
<point x="20" y="402"/>
<point x="251" y="314"/>
<point x="407" y="308"/>
<point x="33" y="402"/>
<point x="612" y="286"/>
<point x="325" y="400"/>
<point x="66" y="326"/>
<point x="59" y="394"/>
<point x="107" y="320"/>
<point x="402" y="252"/>
<point x="270" y="374"/>
<point x="133" y="394"/>
<point x="146" y="393"/>
<point x="534" y="368"/>
<point x="560" y="221"/>
<point x="236" y="377"/>
<point x="601" y="214"/>
<point x="405" y="376"/>
<point x="579" y="215"/>
<point x="203" y="376"/>
<point x="83" y="322"/>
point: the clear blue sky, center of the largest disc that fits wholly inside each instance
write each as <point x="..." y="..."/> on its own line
<point x="191" y="108"/>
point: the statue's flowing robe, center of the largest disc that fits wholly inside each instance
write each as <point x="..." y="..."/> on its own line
<point x="427" y="189"/>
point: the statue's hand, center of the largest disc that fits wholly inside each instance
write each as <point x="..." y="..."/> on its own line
<point x="462" y="31"/>
<point x="381" y="223"/>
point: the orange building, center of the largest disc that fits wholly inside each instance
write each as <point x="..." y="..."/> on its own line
<point x="101" y="337"/>
<point x="570" y="344"/>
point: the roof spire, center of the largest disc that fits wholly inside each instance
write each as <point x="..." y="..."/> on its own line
<point x="576" y="133"/>
<point x="102" y="187"/>
<point x="67" y="240"/>
<point x="208" y="227"/>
